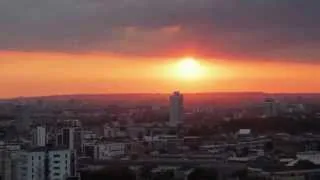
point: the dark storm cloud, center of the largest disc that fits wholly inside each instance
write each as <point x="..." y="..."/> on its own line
<point x="261" y="29"/>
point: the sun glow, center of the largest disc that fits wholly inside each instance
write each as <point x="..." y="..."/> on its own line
<point x="189" y="69"/>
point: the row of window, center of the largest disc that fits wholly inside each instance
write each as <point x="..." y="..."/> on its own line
<point x="55" y="156"/>
<point x="58" y="168"/>
<point x="55" y="174"/>
<point x="58" y="155"/>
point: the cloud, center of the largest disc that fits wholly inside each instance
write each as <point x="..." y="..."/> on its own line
<point x="246" y="29"/>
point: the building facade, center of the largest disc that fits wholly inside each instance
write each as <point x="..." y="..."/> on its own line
<point x="110" y="150"/>
<point x="43" y="164"/>
<point x="39" y="136"/>
<point x="6" y="165"/>
<point x="71" y="138"/>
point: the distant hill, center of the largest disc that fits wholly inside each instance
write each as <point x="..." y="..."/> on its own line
<point x="219" y="98"/>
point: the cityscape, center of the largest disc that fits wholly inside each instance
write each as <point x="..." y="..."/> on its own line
<point x="60" y="138"/>
<point x="159" y="90"/>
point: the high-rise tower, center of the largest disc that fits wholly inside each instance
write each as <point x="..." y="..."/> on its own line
<point x="176" y="108"/>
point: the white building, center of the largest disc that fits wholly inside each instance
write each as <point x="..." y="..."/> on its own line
<point x="176" y="109"/>
<point x="42" y="164"/>
<point x="39" y="136"/>
<point x="61" y="164"/>
<point x="110" y="150"/>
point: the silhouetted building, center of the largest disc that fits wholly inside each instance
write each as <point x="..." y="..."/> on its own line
<point x="176" y="109"/>
<point x="270" y="107"/>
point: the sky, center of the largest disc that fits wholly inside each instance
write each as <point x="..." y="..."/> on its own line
<point x="131" y="46"/>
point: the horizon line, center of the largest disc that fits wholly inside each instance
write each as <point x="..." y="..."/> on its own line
<point x="158" y="93"/>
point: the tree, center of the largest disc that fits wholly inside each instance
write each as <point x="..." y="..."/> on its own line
<point x="269" y="146"/>
<point x="145" y="172"/>
<point x="241" y="174"/>
<point x="164" y="175"/>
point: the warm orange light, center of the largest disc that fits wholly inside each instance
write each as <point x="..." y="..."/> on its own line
<point x="189" y="69"/>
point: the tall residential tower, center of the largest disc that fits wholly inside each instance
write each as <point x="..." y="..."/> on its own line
<point x="176" y="108"/>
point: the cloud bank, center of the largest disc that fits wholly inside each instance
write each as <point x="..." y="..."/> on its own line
<point x="285" y="30"/>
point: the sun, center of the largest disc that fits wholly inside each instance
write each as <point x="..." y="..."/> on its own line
<point x="189" y="68"/>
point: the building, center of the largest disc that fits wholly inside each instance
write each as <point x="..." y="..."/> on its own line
<point x="110" y="150"/>
<point x="164" y="143"/>
<point x="176" y="109"/>
<point x="30" y="165"/>
<point x="244" y="134"/>
<point x="42" y="164"/>
<point x="270" y="107"/>
<point x="23" y="118"/>
<point x="70" y="138"/>
<point x="113" y="131"/>
<point x="89" y="151"/>
<point x="39" y="137"/>
<point x="106" y="150"/>
<point x="61" y="164"/>
<point x="6" y="165"/>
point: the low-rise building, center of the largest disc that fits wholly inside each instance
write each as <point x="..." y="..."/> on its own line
<point x="110" y="150"/>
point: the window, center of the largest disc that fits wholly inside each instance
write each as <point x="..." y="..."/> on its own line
<point x="39" y="157"/>
<point x="56" y="155"/>
<point x="56" y="162"/>
<point x="66" y="156"/>
<point x="56" y="168"/>
<point x="56" y="174"/>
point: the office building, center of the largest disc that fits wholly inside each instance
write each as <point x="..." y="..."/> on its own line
<point x="176" y="109"/>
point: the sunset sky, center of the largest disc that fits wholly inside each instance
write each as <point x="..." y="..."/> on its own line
<point x="130" y="46"/>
